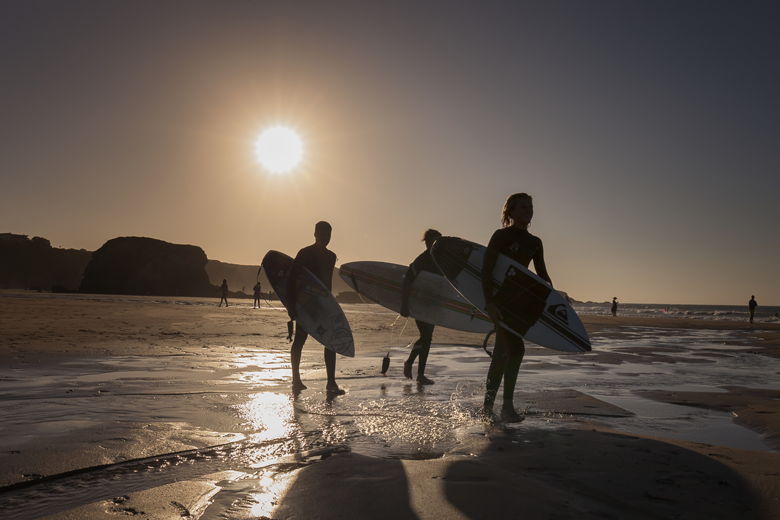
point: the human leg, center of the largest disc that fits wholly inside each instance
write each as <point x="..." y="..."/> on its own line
<point x="426" y="337"/>
<point x="330" y="371"/>
<point x="495" y="371"/>
<point x="516" y="351"/>
<point x="415" y="349"/>
<point x="295" y="357"/>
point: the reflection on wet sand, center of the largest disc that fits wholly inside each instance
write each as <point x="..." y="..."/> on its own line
<point x="205" y="425"/>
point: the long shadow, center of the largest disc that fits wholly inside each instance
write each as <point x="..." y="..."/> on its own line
<point x="349" y="486"/>
<point x="570" y="473"/>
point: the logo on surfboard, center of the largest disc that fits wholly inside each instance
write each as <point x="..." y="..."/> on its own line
<point x="559" y="311"/>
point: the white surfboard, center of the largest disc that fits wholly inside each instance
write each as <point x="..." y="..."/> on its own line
<point x="432" y="298"/>
<point x="531" y="308"/>
<point x="317" y="311"/>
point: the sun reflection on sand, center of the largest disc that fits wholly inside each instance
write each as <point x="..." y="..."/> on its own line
<point x="271" y="415"/>
<point x="273" y="490"/>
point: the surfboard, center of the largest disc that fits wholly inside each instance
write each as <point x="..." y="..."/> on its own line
<point x="432" y="298"/>
<point x="531" y="308"/>
<point x="317" y="311"/>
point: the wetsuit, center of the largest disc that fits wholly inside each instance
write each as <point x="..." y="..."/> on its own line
<point x="752" y="304"/>
<point x="522" y="247"/>
<point x="423" y="262"/>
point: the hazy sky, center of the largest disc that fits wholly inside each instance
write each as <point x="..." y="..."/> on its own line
<point x="647" y="132"/>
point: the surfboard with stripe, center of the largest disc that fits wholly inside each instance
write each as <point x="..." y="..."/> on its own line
<point x="531" y="308"/>
<point x="432" y="299"/>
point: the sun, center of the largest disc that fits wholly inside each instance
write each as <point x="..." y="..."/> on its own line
<point x="279" y="149"/>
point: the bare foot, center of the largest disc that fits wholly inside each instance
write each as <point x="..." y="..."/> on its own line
<point x="334" y="390"/>
<point x="422" y="380"/>
<point x="487" y="416"/>
<point x="508" y="414"/>
<point x="297" y="385"/>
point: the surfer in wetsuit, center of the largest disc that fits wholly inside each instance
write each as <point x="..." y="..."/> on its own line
<point x="423" y="262"/>
<point x="614" y="306"/>
<point x="514" y="241"/>
<point x="318" y="259"/>
<point x="752" y="304"/>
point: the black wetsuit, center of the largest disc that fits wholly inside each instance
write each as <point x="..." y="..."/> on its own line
<point x="423" y="262"/>
<point x="521" y="246"/>
<point x="320" y="261"/>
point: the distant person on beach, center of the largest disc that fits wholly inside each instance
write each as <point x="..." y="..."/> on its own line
<point x="256" y="289"/>
<point x="224" y="288"/>
<point x="318" y="259"/>
<point x="423" y="262"/>
<point x="514" y="241"/>
<point x="752" y="304"/>
<point x="614" y="305"/>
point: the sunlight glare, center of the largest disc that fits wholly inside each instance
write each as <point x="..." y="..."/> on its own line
<point x="279" y="149"/>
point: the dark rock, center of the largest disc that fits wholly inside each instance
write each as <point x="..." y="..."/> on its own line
<point x="33" y="264"/>
<point x="146" y="266"/>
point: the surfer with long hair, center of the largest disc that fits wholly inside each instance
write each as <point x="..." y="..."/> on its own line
<point x="514" y="241"/>
<point x="320" y="260"/>
<point x="421" y="347"/>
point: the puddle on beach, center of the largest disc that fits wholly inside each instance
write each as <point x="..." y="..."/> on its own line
<point x="244" y="393"/>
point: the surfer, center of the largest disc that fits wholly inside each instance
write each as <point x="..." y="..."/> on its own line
<point x="614" y="305"/>
<point x="318" y="259"/>
<point x="514" y="241"/>
<point x="752" y="304"/>
<point x="256" y="289"/>
<point x="224" y="289"/>
<point x="423" y="262"/>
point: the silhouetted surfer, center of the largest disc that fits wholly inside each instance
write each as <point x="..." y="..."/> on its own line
<point x="224" y="289"/>
<point x="318" y="259"/>
<point x="424" y="262"/>
<point x="514" y="241"/>
<point x="752" y="304"/>
<point x="256" y="292"/>
<point x="614" y="305"/>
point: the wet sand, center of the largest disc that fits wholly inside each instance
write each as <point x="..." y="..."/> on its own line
<point x="175" y="408"/>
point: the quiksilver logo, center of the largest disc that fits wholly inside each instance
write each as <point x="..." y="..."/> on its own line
<point x="559" y="311"/>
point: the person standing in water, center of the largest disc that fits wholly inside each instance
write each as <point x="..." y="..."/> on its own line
<point x="614" y="305"/>
<point x="423" y="262"/>
<point x="256" y="290"/>
<point x="224" y="289"/>
<point x="752" y="304"/>
<point x="318" y="259"/>
<point x="514" y="241"/>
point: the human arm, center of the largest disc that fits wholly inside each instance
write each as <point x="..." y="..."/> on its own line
<point x="406" y="289"/>
<point x="488" y="264"/>
<point x="292" y="286"/>
<point x="539" y="266"/>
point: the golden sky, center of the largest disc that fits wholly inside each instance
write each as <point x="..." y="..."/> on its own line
<point x="647" y="134"/>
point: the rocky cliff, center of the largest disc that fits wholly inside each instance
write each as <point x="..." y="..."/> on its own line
<point x="31" y="263"/>
<point x="146" y="266"/>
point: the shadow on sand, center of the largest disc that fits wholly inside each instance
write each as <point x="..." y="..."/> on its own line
<point x="529" y="474"/>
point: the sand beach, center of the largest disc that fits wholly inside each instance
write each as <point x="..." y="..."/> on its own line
<point x="173" y="408"/>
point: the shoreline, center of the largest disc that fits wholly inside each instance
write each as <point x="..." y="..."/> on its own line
<point x="158" y="379"/>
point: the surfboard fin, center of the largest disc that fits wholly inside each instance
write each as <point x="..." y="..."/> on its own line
<point x="385" y="363"/>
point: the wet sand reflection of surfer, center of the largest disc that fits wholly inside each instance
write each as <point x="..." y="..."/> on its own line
<point x="318" y="259"/>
